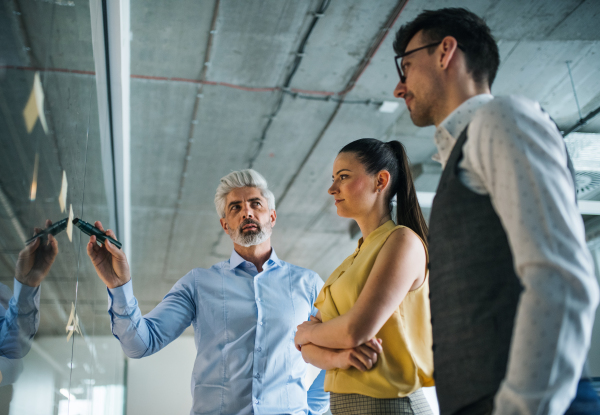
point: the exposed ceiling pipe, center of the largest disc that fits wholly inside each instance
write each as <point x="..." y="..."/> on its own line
<point x="190" y="140"/>
<point x="288" y="80"/>
<point x="375" y="46"/>
<point x="349" y="86"/>
<point x="582" y="122"/>
<point x="296" y="93"/>
<point x="574" y="90"/>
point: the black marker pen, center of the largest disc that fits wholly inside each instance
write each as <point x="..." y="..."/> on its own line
<point x="53" y="230"/>
<point x="92" y="230"/>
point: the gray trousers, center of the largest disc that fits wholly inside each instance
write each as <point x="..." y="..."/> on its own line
<point x="353" y="404"/>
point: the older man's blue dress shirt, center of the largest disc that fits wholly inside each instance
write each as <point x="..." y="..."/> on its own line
<point x="20" y="322"/>
<point x="244" y="326"/>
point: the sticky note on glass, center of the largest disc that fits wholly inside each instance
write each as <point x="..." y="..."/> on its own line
<point x="30" y="113"/>
<point x="70" y="224"/>
<point x="34" y="108"/>
<point x="62" y="196"/>
<point x="73" y="323"/>
<point x="33" y="191"/>
<point x="70" y="324"/>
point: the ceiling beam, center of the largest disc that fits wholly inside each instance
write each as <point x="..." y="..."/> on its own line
<point x="190" y="139"/>
<point x="394" y="15"/>
<point x="582" y="122"/>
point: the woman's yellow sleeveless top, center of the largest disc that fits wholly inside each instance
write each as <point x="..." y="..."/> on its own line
<point x="406" y="363"/>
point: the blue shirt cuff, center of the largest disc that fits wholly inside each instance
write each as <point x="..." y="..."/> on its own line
<point x="121" y="299"/>
<point x="26" y="298"/>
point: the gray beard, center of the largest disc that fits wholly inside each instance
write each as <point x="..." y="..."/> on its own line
<point x="252" y="238"/>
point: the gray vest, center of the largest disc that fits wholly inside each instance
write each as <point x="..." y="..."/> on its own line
<point x="474" y="291"/>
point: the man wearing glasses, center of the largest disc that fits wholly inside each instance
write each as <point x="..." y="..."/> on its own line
<point x="513" y="291"/>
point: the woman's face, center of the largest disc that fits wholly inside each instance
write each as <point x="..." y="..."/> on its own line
<point x="354" y="191"/>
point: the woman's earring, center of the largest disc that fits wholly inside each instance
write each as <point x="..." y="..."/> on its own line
<point x="378" y="190"/>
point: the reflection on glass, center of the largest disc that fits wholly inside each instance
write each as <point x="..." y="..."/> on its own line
<point x="10" y="367"/>
<point x="20" y="321"/>
<point x="57" y="355"/>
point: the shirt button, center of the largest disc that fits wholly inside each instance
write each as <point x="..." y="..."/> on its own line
<point x="256" y="401"/>
<point x="259" y="349"/>
<point x="258" y="299"/>
<point x="257" y="376"/>
<point x="260" y="323"/>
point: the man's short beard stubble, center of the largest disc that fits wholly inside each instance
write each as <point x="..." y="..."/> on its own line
<point x="262" y="232"/>
<point x="426" y="106"/>
<point x="421" y="116"/>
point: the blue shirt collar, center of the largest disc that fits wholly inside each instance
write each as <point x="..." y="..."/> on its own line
<point x="236" y="260"/>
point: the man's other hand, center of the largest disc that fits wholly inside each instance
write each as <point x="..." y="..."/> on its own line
<point x="36" y="259"/>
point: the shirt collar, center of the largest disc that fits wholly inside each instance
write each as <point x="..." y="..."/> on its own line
<point x="448" y="131"/>
<point x="236" y="259"/>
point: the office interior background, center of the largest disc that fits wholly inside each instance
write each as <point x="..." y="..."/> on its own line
<point x="130" y="111"/>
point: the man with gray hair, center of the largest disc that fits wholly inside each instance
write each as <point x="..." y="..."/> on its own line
<point x="244" y="312"/>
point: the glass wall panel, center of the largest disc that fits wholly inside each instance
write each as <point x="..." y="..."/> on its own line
<point x="57" y="355"/>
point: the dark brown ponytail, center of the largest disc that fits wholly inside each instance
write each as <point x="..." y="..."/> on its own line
<point x="375" y="155"/>
<point x="409" y="211"/>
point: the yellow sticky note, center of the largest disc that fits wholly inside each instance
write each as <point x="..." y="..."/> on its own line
<point x="70" y="224"/>
<point x="39" y="100"/>
<point x="70" y="324"/>
<point x="33" y="192"/>
<point x="73" y="323"/>
<point x="30" y="113"/>
<point x="34" y="108"/>
<point x="62" y="196"/>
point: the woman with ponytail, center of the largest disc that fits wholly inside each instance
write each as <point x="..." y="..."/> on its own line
<point x="373" y="332"/>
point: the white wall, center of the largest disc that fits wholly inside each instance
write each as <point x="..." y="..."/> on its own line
<point x="160" y="384"/>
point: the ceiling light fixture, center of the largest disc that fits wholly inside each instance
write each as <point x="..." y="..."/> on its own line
<point x="389" y="107"/>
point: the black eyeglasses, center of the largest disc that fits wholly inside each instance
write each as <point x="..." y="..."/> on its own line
<point x="403" y="55"/>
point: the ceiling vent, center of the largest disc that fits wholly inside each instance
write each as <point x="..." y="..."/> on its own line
<point x="584" y="149"/>
<point x="588" y="184"/>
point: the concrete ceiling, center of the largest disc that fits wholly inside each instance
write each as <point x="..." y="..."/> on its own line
<point x="242" y="118"/>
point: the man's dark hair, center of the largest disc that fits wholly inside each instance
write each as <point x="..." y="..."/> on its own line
<point x="469" y="30"/>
